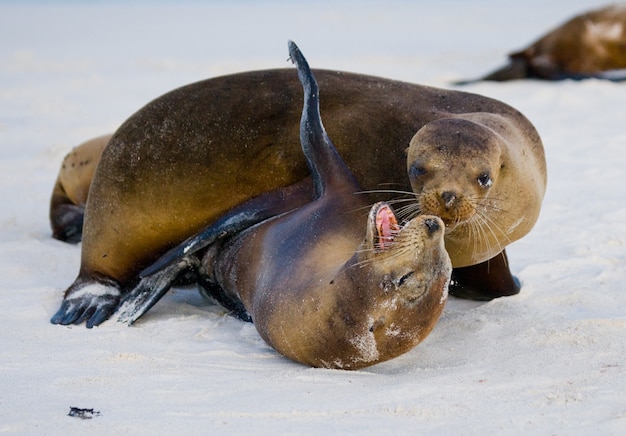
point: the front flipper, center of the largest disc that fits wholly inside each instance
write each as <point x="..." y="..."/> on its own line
<point x="238" y="219"/>
<point x="150" y="290"/>
<point x="88" y="300"/>
<point x="484" y="281"/>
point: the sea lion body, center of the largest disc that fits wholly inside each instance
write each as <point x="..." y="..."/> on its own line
<point x="69" y="195"/>
<point x="183" y="161"/>
<point x="590" y="45"/>
<point x="327" y="284"/>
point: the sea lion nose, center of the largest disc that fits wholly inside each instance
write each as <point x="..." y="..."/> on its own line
<point x="448" y="198"/>
<point x="432" y="225"/>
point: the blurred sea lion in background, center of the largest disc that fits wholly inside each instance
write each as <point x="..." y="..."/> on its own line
<point x="591" y="45"/>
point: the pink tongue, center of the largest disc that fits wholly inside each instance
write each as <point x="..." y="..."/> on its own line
<point x="387" y="226"/>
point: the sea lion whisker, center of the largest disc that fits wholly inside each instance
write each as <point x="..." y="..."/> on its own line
<point x="480" y="233"/>
<point x="408" y="212"/>
<point x="401" y="200"/>
<point x="388" y="191"/>
<point x="484" y="225"/>
<point x="492" y="223"/>
<point x="489" y="203"/>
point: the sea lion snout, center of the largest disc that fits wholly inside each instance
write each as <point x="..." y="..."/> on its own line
<point x="448" y="198"/>
<point x="432" y="224"/>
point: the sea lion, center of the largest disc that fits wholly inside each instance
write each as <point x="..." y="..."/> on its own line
<point x="69" y="195"/>
<point x="188" y="159"/>
<point x="326" y="284"/>
<point x="590" y="45"/>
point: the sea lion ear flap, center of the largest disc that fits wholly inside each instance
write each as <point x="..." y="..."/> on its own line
<point x="382" y="227"/>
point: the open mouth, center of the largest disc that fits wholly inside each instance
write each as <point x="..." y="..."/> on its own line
<point x="385" y="225"/>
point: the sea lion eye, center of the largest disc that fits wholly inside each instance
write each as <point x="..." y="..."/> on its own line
<point x="484" y="180"/>
<point x="404" y="278"/>
<point x="417" y="170"/>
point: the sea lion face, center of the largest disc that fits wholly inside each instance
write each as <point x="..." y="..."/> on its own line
<point x="392" y="293"/>
<point x="400" y="257"/>
<point x="453" y="166"/>
<point x="404" y="260"/>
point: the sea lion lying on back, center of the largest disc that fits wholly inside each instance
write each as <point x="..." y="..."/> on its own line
<point x="317" y="290"/>
<point x="590" y="45"/>
<point x="191" y="158"/>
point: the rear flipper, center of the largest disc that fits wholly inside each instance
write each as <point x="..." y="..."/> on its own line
<point x="613" y="75"/>
<point x="484" y="281"/>
<point x="150" y="289"/>
<point x="66" y="217"/>
<point x="517" y="68"/>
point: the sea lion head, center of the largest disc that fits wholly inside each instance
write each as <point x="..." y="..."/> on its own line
<point x="400" y="276"/>
<point x="403" y="255"/>
<point x="453" y="165"/>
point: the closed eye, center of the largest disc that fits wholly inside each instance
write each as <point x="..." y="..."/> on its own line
<point x="417" y="170"/>
<point x="404" y="278"/>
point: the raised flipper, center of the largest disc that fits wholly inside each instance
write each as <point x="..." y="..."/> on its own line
<point x="237" y="219"/>
<point x="484" y="281"/>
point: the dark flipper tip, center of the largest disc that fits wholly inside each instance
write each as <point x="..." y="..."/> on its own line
<point x="517" y="68"/>
<point x="67" y="223"/>
<point x="94" y="311"/>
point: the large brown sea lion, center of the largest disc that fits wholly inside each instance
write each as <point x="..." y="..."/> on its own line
<point x="326" y="284"/>
<point x="590" y="45"/>
<point x="188" y="159"/>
